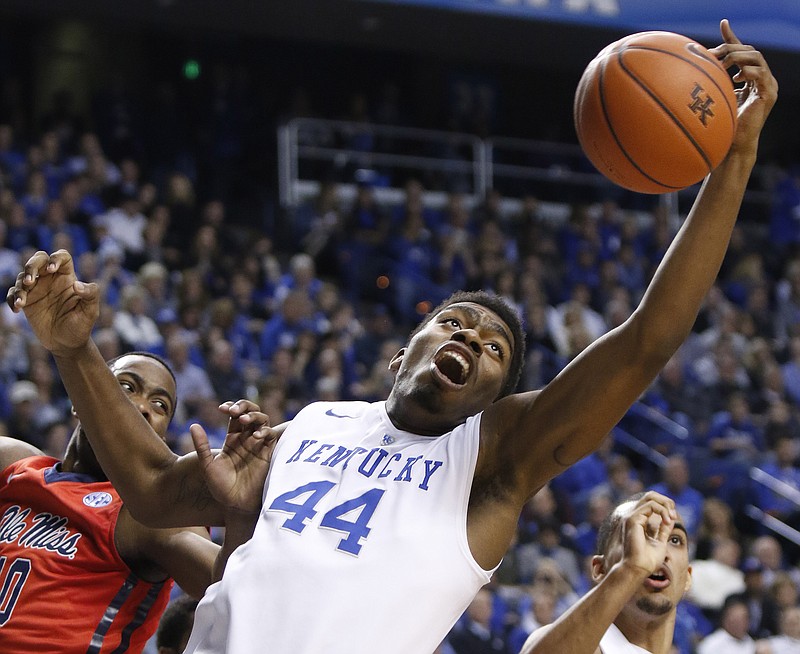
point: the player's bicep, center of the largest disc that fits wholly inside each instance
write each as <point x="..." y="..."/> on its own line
<point x="540" y="434"/>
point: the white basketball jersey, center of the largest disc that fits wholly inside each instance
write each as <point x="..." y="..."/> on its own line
<point x="361" y="544"/>
<point x="614" y="642"/>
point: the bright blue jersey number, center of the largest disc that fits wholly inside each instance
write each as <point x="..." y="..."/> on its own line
<point x="335" y="518"/>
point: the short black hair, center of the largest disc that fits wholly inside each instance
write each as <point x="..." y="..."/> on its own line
<point x="610" y="523"/>
<point x="176" y="622"/>
<point x="509" y="316"/>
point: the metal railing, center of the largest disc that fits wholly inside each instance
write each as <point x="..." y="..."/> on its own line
<point x="471" y="164"/>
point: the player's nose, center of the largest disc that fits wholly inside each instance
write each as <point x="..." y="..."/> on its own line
<point x="470" y="338"/>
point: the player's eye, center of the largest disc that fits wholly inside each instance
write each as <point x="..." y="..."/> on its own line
<point x="494" y="347"/>
<point x="127" y="386"/>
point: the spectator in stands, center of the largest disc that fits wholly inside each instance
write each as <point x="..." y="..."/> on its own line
<point x="456" y="245"/>
<point x="784" y="590"/>
<point x="475" y="635"/>
<point x="22" y="421"/>
<point x="574" y="486"/>
<point x="547" y="544"/>
<point x="223" y="372"/>
<point x="714" y="579"/>
<point x="787" y="298"/>
<point x="35" y="198"/>
<point x="764" y="611"/>
<point x="132" y="322"/>
<point x="731" y="637"/>
<point x="9" y="257"/>
<point x="784" y="233"/>
<point x="539" y="610"/>
<point x="767" y="549"/>
<point x="549" y="578"/>
<point x="598" y="507"/>
<point x="294" y="316"/>
<point x="124" y="224"/>
<point x="787" y="640"/>
<point x="782" y="466"/>
<point x="716" y="524"/>
<point x="317" y="227"/>
<point x="734" y="434"/>
<point x="193" y="383"/>
<point x="413" y="266"/>
<point x="791" y="370"/>
<point x="54" y="223"/>
<point x="361" y="251"/>
<point x="623" y="479"/>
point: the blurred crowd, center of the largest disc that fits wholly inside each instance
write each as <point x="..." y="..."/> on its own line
<point x="311" y="306"/>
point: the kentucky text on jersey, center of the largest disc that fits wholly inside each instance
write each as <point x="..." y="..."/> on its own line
<point x="376" y="462"/>
<point x="47" y="532"/>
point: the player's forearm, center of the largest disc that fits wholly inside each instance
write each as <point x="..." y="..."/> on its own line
<point x="673" y="299"/>
<point x="239" y="528"/>
<point x="580" y="629"/>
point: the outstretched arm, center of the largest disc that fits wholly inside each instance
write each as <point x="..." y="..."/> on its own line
<point x="645" y="530"/>
<point x="539" y="434"/>
<point x="158" y="487"/>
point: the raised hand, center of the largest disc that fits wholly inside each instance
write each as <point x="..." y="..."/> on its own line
<point x="646" y="526"/>
<point x="60" y="309"/>
<point x="235" y="475"/>
<point x="759" y="91"/>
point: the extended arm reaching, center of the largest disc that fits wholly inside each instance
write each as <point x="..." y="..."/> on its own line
<point x="539" y="434"/>
<point x="159" y="488"/>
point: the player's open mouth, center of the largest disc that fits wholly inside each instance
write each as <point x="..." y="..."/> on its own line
<point x="658" y="580"/>
<point x="452" y="366"/>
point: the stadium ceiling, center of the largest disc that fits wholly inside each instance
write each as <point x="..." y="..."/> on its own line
<point x="386" y="25"/>
<point x="398" y="27"/>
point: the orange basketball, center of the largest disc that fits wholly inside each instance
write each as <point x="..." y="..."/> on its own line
<point x="655" y="112"/>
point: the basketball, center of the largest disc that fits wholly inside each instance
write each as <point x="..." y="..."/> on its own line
<point x="655" y="112"/>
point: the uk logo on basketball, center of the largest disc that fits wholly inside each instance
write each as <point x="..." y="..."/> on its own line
<point x="701" y="105"/>
<point x="97" y="500"/>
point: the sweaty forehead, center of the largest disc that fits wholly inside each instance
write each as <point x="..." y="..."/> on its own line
<point x="483" y="316"/>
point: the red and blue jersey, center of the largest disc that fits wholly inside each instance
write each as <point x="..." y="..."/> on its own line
<point x="63" y="586"/>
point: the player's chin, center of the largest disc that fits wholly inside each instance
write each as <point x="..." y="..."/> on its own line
<point x="655" y="604"/>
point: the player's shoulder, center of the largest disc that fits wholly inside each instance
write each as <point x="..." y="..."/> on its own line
<point x="13" y="450"/>
<point x="336" y="410"/>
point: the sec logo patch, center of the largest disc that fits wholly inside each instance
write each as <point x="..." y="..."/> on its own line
<point x="97" y="500"/>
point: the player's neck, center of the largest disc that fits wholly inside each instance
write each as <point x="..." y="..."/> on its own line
<point x="654" y="635"/>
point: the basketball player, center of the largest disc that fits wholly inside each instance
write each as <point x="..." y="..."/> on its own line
<point x="77" y="572"/>
<point x="380" y="521"/>
<point x="641" y="571"/>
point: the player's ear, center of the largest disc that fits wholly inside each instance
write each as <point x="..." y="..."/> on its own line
<point x="397" y="359"/>
<point x="688" y="583"/>
<point x="598" y="567"/>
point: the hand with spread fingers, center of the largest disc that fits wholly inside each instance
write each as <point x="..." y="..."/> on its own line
<point x="60" y="309"/>
<point x="236" y="474"/>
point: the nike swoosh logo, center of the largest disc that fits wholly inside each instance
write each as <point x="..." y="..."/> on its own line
<point x="330" y="412"/>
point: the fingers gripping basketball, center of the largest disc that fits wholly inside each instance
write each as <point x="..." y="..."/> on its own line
<point x="655" y="112"/>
